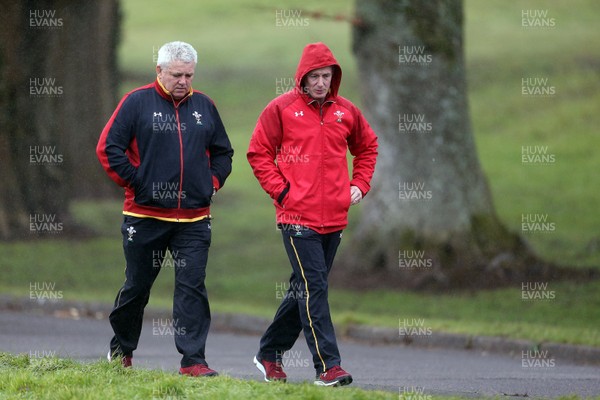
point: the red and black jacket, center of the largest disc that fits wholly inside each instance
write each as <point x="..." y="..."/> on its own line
<point x="167" y="154"/>
<point x="298" y="150"/>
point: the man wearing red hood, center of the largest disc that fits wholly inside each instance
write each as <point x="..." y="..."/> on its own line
<point x="298" y="154"/>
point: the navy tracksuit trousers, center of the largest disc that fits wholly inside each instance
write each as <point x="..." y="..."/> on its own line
<point x="305" y="306"/>
<point x="145" y="242"/>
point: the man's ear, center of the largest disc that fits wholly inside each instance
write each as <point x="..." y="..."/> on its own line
<point x="158" y="69"/>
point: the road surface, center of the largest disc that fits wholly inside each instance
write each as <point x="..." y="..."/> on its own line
<point x="395" y="368"/>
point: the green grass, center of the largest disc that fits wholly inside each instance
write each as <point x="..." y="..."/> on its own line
<point x="242" y="53"/>
<point x="53" y="378"/>
<point x="244" y="278"/>
<point x="499" y="54"/>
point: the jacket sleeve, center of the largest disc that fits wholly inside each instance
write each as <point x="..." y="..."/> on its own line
<point x="362" y="144"/>
<point x="262" y="153"/>
<point x="221" y="152"/>
<point x="114" y="146"/>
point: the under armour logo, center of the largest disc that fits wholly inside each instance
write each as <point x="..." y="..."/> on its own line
<point x="299" y="113"/>
<point x="158" y="114"/>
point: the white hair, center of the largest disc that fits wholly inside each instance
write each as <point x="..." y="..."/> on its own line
<point x="176" y="51"/>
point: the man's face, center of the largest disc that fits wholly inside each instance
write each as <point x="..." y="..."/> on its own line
<point x="317" y="83"/>
<point x="177" y="77"/>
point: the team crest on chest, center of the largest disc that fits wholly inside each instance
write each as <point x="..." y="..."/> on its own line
<point x="339" y="115"/>
<point x="198" y="117"/>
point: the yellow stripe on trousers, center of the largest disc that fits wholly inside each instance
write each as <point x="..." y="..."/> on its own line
<point x="307" y="298"/>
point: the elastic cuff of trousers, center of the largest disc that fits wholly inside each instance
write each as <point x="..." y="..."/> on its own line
<point x="270" y="357"/>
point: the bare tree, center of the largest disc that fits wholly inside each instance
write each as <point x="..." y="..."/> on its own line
<point x="58" y="84"/>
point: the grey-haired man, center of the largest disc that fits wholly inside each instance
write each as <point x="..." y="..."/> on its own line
<point x="166" y="145"/>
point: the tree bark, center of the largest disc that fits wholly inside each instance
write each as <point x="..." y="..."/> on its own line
<point x="58" y="73"/>
<point x="429" y="220"/>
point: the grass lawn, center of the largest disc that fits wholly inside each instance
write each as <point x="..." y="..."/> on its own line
<point x="242" y="55"/>
<point x="53" y="378"/>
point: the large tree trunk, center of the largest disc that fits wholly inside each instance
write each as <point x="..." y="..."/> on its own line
<point x="429" y="221"/>
<point x="58" y="74"/>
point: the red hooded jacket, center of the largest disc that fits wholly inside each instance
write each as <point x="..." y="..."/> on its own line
<point x="298" y="151"/>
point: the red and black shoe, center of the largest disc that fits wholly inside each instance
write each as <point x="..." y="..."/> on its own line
<point x="334" y="376"/>
<point x="125" y="360"/>
<point x="197" y="370"/>
<point x="271" y="370"/>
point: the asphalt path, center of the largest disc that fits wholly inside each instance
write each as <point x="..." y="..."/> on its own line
<point x="418" y="372"/>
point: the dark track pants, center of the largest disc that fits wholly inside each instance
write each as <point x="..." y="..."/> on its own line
<point x="145" y="241"/>
<point x="305" y="305"/>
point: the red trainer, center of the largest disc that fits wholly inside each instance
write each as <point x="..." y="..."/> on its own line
<point x="125" y="360"/>
<point x="197" y="370"/>
<point x="334" y="376"/>
<point x="271" y="370"/>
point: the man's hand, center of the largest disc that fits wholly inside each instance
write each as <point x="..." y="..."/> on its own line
<point x="355" y="195"/>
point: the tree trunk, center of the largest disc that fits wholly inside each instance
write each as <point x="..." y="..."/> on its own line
<point x="58" y="74"/>
<point x="429" y="220"/>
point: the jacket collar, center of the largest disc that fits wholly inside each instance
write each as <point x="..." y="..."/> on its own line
<point x="165" y="94"/>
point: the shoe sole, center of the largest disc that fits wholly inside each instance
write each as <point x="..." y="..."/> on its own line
<point x="343" y="381"/>
<point x="208" y="375"/>
<point x="262" y="369"/>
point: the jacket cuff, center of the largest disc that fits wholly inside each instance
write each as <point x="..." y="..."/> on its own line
<point x="283" y="193"/>
<point x="364" y="189"/>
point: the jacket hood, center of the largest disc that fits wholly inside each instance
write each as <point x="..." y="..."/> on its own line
<point x="315" y="56"/>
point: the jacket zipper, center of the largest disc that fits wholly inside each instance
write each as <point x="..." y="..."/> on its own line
<point x="180" y="161"/>
<point x="322" y="166"/>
